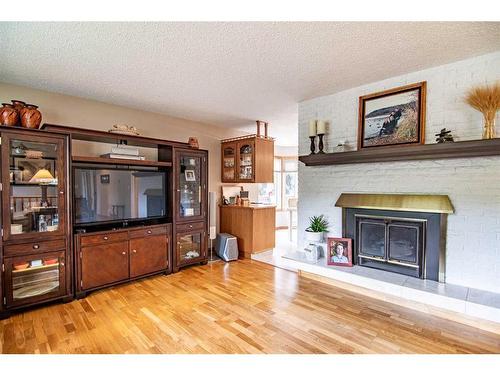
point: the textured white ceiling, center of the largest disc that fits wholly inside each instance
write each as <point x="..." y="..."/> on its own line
<point x="227" y="74"/>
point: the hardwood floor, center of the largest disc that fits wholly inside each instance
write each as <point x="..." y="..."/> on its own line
<point x="242" y="307"/>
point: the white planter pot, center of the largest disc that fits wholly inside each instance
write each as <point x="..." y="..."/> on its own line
<point x="314" y="236"/>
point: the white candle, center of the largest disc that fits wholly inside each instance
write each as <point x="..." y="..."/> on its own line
<point x="321" y="127"/>
<point x="312" y="128"/>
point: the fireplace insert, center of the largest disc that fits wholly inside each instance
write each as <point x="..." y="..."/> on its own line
<point x="406" y="242"/>
<point x="389" y="243"/>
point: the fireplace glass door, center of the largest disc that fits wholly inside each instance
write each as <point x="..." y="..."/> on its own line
<point x="404" y="242"/>
<point x="372" y="240"/>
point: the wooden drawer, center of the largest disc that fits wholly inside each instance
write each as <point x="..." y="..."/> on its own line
<point x="148" y="231"/>
<point x="102" y="238"/>
<point x="190" y="227"/>
<point x="34" y="247"/>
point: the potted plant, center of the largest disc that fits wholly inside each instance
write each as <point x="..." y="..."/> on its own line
<point x="317" y="226"/>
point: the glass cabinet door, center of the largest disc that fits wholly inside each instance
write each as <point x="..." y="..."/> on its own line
<point x="189" y="247"/>
<point x="246" y="160"/>
<point x="190" y="187"/>
<point x="34" y="186"/>
<point x="228" y="162"/>
<point x="34" y="278"/>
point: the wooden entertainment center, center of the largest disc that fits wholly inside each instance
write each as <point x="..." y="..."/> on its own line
<point x="47" y="255"/>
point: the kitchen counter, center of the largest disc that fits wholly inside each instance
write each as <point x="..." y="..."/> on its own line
<point x="252" y="206"/>
<point x="254" y="226"/>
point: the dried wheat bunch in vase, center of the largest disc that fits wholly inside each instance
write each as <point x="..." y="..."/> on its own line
<point x="486" y="99"/>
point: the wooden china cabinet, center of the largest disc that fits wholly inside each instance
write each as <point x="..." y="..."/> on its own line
<point x="190" y="207"/>
<point x="247" y="159"/>
<point x="34" y="251"/>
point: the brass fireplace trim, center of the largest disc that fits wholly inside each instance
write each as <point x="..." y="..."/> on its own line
<point x="439" y="204"/>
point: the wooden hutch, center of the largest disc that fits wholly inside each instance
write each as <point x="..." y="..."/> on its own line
<point x="46" y="256"/>
<point x="248" y="159"/>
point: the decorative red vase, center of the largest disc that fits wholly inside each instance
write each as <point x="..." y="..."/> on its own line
<point x="31" y="117"/>
<point x="19" y="106"/>
<point x="8" y="115"/>
<point x="193" y="142"/>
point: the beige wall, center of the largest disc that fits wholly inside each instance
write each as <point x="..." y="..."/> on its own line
<point x="90" y="114"/>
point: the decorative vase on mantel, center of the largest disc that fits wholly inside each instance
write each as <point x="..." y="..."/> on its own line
<point x="8" y="115"/>
<point x="486" y="99"/>
<point x="31" y="117"/>
<point x="489" y="131"/>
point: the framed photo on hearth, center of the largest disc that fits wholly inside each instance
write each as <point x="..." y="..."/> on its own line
<point x="394" y="117"/>
<point x="339" y="252"/>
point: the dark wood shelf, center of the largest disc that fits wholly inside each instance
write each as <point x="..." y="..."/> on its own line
<point x="465" y="149"/>
<point x="98" y="160"/>
<point x="107" y="137"/>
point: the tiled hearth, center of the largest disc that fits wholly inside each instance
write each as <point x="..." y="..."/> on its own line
<point x="459" y="299"/>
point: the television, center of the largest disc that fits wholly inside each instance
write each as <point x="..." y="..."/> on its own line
<point x="107" y="195"/>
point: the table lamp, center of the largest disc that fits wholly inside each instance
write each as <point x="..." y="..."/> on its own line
<point x="44" y="178"/>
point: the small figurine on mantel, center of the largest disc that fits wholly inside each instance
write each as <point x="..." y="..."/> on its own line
<point x="444" y="136"/>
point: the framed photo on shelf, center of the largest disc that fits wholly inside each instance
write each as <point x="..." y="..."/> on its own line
<point x="339" y="252"/>
<point x="392" y="117"/>
<point x="190" y="175"/>
<point x="105" y="179"/>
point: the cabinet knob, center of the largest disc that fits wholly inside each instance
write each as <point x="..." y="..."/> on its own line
<point x="62" y="264"/>
<point x="36" y="246"/>
<point x="124" y="253"/>
<point x="134" y="251"/>
<point x="61" y="192"/>
<point x="149" y="231"/>
<point x="190" y="226"/>
<point x="105" y="237"/>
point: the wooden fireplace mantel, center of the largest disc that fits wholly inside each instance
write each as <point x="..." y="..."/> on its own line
<point x="434" y="151"/>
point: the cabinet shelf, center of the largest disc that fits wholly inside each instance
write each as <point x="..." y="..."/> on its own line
<point x="30" y="270"/>
<point x="31" y="184"/>
<point x="32" y="158"/>
<point x="435" y="151"/>
<point x="99" y="160"/>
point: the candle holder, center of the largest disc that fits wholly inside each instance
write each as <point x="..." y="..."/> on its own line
<point x="313" y="146"/>
<point x="320" y="144"/>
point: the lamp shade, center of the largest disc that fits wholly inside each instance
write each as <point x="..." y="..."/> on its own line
<point x="42" y="176"/>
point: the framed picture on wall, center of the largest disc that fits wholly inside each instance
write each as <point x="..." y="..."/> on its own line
<point x="392" y="117"/>
<point x="339" y="252"/>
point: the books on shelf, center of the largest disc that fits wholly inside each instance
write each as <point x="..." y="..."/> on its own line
<point x="122" y="156"/>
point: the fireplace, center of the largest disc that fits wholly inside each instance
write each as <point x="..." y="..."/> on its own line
<point x="398" y="233"/>
<point x="390" y="243"/>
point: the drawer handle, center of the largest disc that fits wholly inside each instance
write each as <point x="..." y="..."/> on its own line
<point x="105" y="237"/>
<point x="149" y="231"/>
<point x="124" y="253"/>
<point x="36" y="246"/>
<point x="190" y="226"/>
<point x="134" y="251"/>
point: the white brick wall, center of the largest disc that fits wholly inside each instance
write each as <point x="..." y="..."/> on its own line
<point x="473" y="242"/>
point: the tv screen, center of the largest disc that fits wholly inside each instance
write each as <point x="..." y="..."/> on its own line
<point x="107" y="195"/>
